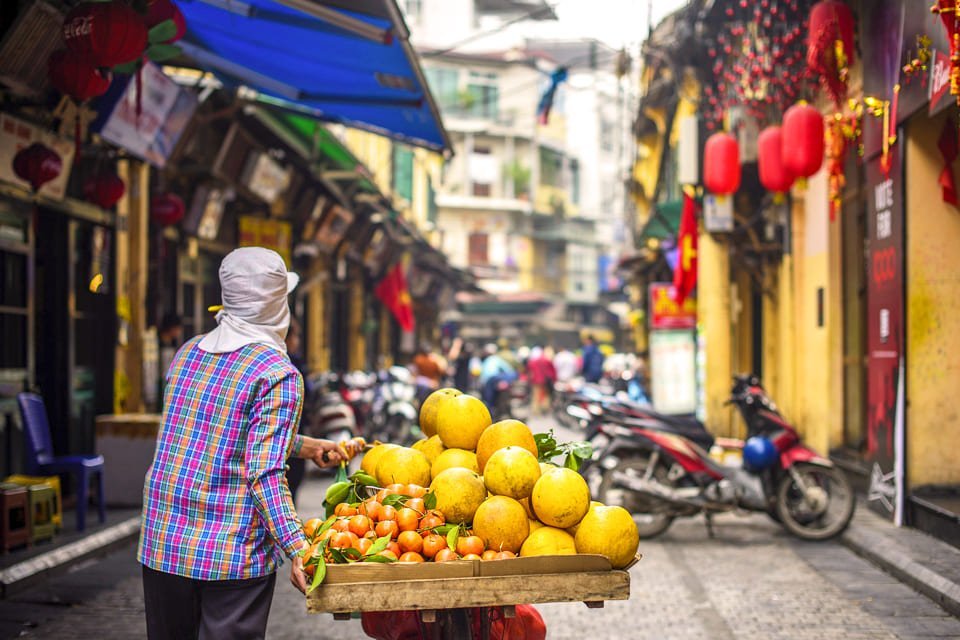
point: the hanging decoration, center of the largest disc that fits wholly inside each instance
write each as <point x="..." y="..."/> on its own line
<point x="758" y="61"/>
<point x="802" y="140"/>
<point x="949" y="12"/>
<point x="721" y="164"/>
<point x="104" y="189"/>
<point x="167" y="209"/>
<point x="37" y="164"/>
<point x="918" y="64"/>
<point x="830" y="46"/>
<point x="774" y="176"/>
<point x="546" y="100"/>
<point x="75" y="76"/>
<point x="159" y="11"/>
<point x="836" y="150"/>
<point x="948" y="150"/>
<point x="107" y="33"/>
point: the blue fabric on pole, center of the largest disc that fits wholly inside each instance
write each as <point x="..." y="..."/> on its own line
<point x="315" y="67"/>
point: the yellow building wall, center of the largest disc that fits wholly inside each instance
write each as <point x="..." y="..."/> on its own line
<point x="932" y="312"/>
<point x="713" y="316"/>
<point x="375" y="152"/>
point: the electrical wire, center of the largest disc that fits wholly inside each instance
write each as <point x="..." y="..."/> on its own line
<point x="483" y="34"/>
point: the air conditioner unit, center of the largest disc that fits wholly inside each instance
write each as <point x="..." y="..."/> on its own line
<point x="24" y="51"/>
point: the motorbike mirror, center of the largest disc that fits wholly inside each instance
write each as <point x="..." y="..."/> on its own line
<point x="578" y="412"/>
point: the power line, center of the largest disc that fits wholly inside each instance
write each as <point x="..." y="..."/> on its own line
<point x="483" y="34"/>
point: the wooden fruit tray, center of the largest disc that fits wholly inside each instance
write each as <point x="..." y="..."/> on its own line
<point x="462" y="584"/>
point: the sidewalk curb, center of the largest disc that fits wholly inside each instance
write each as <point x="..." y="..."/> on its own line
<point x="19" y="576"/>
<point x="890" y="557"/>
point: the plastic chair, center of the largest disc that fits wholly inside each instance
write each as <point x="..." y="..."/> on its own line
<point x="41" y="460"/>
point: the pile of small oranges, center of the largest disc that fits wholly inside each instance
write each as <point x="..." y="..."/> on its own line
<point x="396" y="516"/>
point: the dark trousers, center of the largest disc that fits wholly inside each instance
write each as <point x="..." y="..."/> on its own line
<point x="180" y="608"/>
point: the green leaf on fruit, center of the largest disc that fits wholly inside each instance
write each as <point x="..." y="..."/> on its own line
<point x="430" y="501"/>
<point x="571" y="462"/>
<point x="378" y="558"/>
<point x="319" y="574"/>
<point x="452" y="536"/>
<point x="352" y="554"/>
<point x="162" y="32"/>
<point x="379" y="545"/>
<point x="365" y="479"/>
<point x="444" y="529"/>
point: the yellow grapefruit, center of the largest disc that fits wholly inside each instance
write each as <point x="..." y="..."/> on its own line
<point x="610" y="531"/>
<point x="504" y="434"/>
<point x="459" y="493"/>
<point x="560" y="498"/>
<point x="511" y="471"/>
<point x="534" y="524"/>
<point x="460" y="421"/>
<point x="548" y="541"/>
<point x="454" y="458"/>
<point x="403" y="465"/>
<point x="573" y="530"/>
<point x="502" y="524"/>
<point x="371" y="458"/>
<point x="432" y="447"/>
<point x="428" y="410"/>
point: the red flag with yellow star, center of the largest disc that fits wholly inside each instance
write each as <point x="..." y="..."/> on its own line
<point x="395" y="295"/>
<point x="685" y="275"/>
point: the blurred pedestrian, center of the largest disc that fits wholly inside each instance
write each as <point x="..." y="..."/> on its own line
<point x="461" y="353"/>
<point x="566" y="365"/>
<point x="493" y="371"/>
<point x="217" y="513"/>
<point x="542" y="376"/>
<point x="592" y="360"/>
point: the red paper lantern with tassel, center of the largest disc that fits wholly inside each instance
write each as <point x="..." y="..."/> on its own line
<point x="104" y="189"/>
<point x="167" y="209"/>
<point x="162" y="10"/>
<point x="107" y="33"/>
<point x="74" y="75"/>
<point x="773" y="174"/>
<point x="830" y="47"/>
<point x="37" y="164"/>
<point x="721" y="164"/>
<point x="802" y="135"/>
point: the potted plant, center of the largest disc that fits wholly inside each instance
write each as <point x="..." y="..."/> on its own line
<point x="519" y="174"/>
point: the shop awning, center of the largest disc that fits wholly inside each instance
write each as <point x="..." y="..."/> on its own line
<point x="353" y="66"/>
<point x="663" y="223"/>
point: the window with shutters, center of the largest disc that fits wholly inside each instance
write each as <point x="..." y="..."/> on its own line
<point x="403" y="172"/>
<point x="478" y="249"/>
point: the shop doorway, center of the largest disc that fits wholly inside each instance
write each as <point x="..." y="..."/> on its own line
<point x="854" y="230"/>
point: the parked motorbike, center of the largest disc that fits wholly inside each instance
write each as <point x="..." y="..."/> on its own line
<point x="358" y="388"/>
<point x="659" y="475"/>
<point x="325" y="413"/>
<point x="394" y="415"/>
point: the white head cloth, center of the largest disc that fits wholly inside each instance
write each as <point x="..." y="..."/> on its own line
<point x="254" y="284"/>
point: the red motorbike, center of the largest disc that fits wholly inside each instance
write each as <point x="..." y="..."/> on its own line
<point x="660" y="475"/>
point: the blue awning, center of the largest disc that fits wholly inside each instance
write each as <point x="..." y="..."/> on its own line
<point x="339" y="65"/>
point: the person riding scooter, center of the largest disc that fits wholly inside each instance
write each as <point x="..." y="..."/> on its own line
<point x="493" y="371"/>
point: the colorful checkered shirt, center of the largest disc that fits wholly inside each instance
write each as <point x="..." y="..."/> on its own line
<point x="216" y="503"/>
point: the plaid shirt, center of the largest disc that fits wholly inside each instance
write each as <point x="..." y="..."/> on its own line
<point x="216" y="502"/>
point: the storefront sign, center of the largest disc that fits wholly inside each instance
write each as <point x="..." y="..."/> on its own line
<point x="673" y="375"/>
<point x="16" y="134"/>
<point x="266" y="177"/>
<point x="885" y="258"/>
<point x="665" y="313"/>
<point x="939" y="82"/>
<point x="267" y="233"/>
<point x="717" y="213"/>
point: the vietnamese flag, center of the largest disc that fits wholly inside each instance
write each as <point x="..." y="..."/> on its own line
<point x="392" y="291"/>
<point x="685" y="275"/>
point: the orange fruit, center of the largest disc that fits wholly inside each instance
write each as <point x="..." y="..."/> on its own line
<point x="505" y="555"/>
<point x="370" y="508"/>
<point x="344" y="540"/>
<point x="387" y="553"/>
<point x="432" y="543"/>
<point x="501" y="523"/>
<point x="387" y="528"/>
<point x="416" y="490"/>
<point x="416" y="504"/>
<point x="410" y="541"/>
<point x="489" y="554"/>
<point x="428" y="410"/>
<point x="445" y="555"/>
<point x="411" y="556"/>
<point x="467" y="545"/>
<point x="359" y="525"/>
<point x="364" y="545"/>
<point x="341" y="524"/>
<point x="387" y="512"/>
<point x="407" y="519"/>
<point x="372" y="534"/>
<point x="430" y="521"/>
<point x="471" y="556"/>
<point x="345" y="509"/>
<point x="326" y="535"/>
<point x="460" y="421"/>
<point x="310" y="527"/>
<point x="394" y="547"/>
<point x="394" y="488"/>
<point x="506" y="433"/>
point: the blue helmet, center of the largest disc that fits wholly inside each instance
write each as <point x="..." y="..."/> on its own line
<point x="759" y="453"/>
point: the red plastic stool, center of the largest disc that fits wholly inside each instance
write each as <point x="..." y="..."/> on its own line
<point x="14" y="517"/>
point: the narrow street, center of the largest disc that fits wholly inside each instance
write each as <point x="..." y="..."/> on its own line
<point x="751" y="581"/>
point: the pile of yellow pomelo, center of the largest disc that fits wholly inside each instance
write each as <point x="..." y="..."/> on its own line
<point x="487" y="478"/>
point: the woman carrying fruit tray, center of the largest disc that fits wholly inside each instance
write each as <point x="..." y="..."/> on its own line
<point x="469" y="495"/>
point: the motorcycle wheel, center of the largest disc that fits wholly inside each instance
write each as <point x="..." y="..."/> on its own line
<point x="649" y="523"/>
<point x="821" y="511"/>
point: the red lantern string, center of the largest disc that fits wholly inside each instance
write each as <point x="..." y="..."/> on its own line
<point x="37" y="164"/>
<point x="949" y="11"/>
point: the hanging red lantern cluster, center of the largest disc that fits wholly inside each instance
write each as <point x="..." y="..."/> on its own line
<point x="830" y="46"/>
<point x="802" y="140"/>
<point x="76" y="76"/>
<point x="107" y="33"/>
<point x="167" y="209"/>
<point x="104" y="189"/>
<point x="162" y="10"/>
<point x="37" y="164"/>
<point x="721" y="164"/>
<point x="949" y="11"/>
<point x="774" y="176"/>
<point x="758" y="60"/>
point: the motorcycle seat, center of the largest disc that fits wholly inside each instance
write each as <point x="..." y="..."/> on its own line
<point x="694" y="432"/>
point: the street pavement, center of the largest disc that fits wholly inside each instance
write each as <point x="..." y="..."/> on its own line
<point x="751" y="581"/>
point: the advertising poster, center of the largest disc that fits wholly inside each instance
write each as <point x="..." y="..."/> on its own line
<point x="884" y="325"/>
<point x="673" y="375"/>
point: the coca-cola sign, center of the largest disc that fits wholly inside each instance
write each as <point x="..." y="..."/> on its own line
<point x="940" y="97"/>
<point x="78" y="27"/>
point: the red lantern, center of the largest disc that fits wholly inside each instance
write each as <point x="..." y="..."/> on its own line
<point x="163" y="10"/>
<point x="951" y="21"/>
<point x="167" y="209"/>
<point x="802" y="140"/>
<point x="37" y="164"/>
<point x="721" y="164"/>
<point x="773" y="175"/>
<point x="108" y="33"/>
<point x="104" y="189"/>
<point x="830" y="50"/>
<point x="73" y="75"/>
